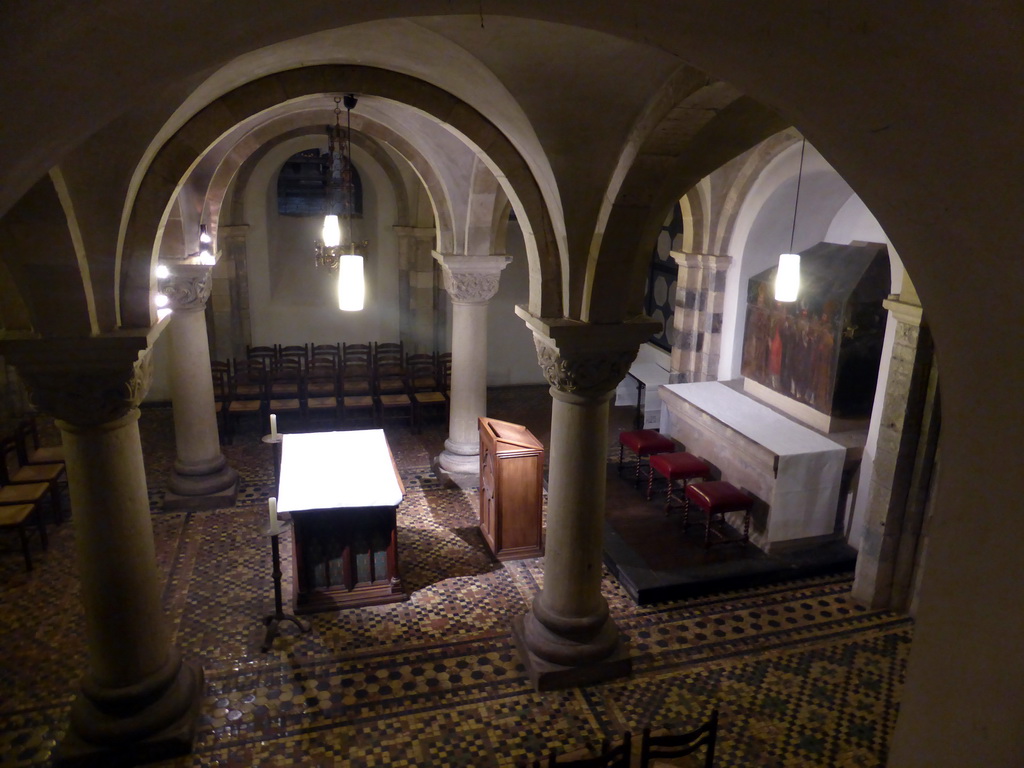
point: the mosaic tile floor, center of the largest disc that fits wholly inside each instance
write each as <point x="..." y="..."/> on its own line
<point x="802" y="676"/>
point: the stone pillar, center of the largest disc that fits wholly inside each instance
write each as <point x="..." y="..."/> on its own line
<point x="901" y="473"/>
<point x="201" y="477"/>
<point x="416" y="287"/>
<point x="471" y="281"/>
<point x="568" y="637"/>
<point x="138" y="700"/>
<point x="700" y="298"/>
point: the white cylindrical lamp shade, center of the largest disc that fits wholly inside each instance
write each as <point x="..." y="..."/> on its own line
<point x="351" y="288"/>
<point x="332" y="231"/>
<point x="787" y="277"/>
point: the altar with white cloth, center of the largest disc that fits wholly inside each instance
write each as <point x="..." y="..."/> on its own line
<point x="342" y="491"/>
<point x="795" y="472"/>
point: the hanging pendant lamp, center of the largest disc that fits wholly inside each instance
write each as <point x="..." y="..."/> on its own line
<point x="337" y="251"/>
<point x="787" y="276"/>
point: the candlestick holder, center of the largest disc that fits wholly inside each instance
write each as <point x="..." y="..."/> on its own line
<point x="273" y="621"/>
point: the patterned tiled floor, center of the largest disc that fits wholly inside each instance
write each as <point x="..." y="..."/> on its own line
<point x="802" y="676"/>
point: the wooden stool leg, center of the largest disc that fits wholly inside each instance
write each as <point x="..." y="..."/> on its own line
<point x="650" y="483"/>
<point x="24" y="547"/>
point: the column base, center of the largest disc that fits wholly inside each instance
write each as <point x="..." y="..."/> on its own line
<point x="460" y="458"/>
<point x="172" y="740"/>
<point x="548" y="676"/>
<point x="208" y="491"/>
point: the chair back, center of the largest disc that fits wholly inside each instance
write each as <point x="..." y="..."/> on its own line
<point x="267" y="355"/>
<point x="421" y="372"/>
<point x="220" y="371"/>
<point x="296" y="352"/>
<point x="679" y="745"/>
<point x="248" y="379"/>
<point x="332" y="351"/>
<point x="388" y="359"/>
<point x="610" y="757"/>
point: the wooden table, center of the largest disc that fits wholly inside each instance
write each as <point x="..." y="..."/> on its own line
<point x="342" y="491"/>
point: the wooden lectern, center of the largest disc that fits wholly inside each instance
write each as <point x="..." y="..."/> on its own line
<point x="511" y="490"/>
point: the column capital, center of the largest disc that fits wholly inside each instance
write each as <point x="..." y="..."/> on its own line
<point x="188" y="287"/>
<point x="586" y="359"/>
<point x="471" y="279"/>
<point x="86" y="382"/>
<point x="684" y="259"/>
<point x="908" y="313"/>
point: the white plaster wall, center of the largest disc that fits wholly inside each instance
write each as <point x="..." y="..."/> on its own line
<point x="512" y="357"/>
<point x="290" y="301"/>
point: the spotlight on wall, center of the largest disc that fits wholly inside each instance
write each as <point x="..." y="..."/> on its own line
<point x="337" y="250"/>
<point x="787" y="276"/>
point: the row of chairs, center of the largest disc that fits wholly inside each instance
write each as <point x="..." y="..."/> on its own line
<point x="362" y="382"/>
<point x="654" y="748"/>
<point x="32" y="476"/>
<point x="659" y="455"/>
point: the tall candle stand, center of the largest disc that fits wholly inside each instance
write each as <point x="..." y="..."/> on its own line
<point x="273" y="529"/>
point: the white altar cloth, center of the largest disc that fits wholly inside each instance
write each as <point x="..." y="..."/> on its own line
<point x="801" y="486"/>
<point x="335" y="470"/>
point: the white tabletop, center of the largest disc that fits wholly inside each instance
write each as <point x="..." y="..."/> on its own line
<point x="779" y="434"/>
<point x="336" y="470"/>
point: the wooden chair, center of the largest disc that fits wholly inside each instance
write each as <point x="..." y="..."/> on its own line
<point x="389" y="367"/>
<point x="444" y="373"/>
<point x="284" y="387"/>
<point x="266" y="355"/>
<point x="357" y="401"/>
<point x="298" y="352"/>
<point x="423" y="388"/>
<point x="682" y="744"/>
<point x="248" y="393"/>
<point x="34" y="452"/>
<point x="322" y="394"/>
<point x="326" y="350"/>
<point x="391" y="397"/>
<point x="20" y="502"/>
<point x="23" y="473"/>
<point x="220" y="372"/>
<point x="15" y="517"/>
<point x="357" y="353"/>
<point x="610" y="757"/>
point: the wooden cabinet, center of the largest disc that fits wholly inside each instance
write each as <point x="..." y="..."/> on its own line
<point x="511" y="490"/>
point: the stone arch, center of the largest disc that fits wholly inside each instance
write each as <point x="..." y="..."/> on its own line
<point x="174" y="160"/>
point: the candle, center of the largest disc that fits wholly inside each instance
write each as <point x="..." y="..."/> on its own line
<point x="272" y="504"/>
<point x="273" y="425"/>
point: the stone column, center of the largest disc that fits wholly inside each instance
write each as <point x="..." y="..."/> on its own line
<point x="901" y="473"/>
<point x="416" y="287"/>
<point x="471" y="281"/>
<point x="201" y="477"/>
<point x="700" y="298"/>
<point x="568" y="637"/>
<point x="138" y="700"/>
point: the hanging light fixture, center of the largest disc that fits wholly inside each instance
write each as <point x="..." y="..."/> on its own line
<point x="337" y="250"/>
<point x="787" y="276"/>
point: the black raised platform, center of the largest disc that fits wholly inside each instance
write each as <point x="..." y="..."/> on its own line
<point x="656" y="559"/>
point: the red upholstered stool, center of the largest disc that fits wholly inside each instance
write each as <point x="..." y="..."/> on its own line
<point x="643" y="443"/>
<point x="678" y="466"/>
<point x="716" y="497"/>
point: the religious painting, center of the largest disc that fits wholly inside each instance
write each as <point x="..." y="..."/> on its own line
<point x="824" y="349"/>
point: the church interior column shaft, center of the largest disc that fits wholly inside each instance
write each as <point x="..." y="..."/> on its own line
<point x="471" y="281"/>
<point x="200" y="470"/>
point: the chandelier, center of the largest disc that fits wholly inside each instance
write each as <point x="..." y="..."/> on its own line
<point x="338" y="250"/>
